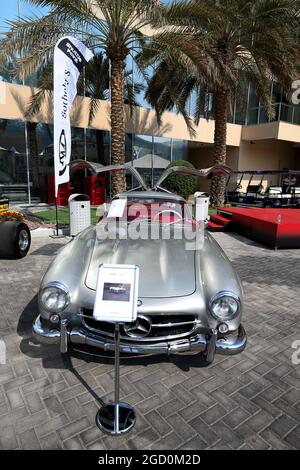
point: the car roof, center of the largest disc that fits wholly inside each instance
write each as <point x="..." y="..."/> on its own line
<point x="150" y="195"/>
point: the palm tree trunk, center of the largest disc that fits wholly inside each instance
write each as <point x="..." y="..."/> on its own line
<point x="218" y="184"/>
<point x="117" y="123"/>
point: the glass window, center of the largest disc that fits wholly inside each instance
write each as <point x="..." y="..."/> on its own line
<point x="252" y="116"/>
<point x="12" y="152"/>
<point x="13" y="168"/>
<point x="128" y="147"/>
<point x="142" y="147"/>
<point x="286" y="113"/>
<point x="78" y="144"/>
<point x="263" y="115"/>
<point x="179" y="149"/>
<point x="91" y="144"/>
<point x="44" y="137"/>
<point x="296" y="116"/>
<point x="142" y="151"/>
<point x="162" y="149"/>
<point x="41" y="158"/>
<point x="240" y="110"/>
<point x="277" y="92"/>
<point x="253" y="98"/>
<point x="12" y="135"/>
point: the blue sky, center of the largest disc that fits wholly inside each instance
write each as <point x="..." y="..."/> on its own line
<point x="9" y="11"/>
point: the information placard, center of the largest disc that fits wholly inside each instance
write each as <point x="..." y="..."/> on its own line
<point x="117" y="208"/>
<point x="116" y="293"/>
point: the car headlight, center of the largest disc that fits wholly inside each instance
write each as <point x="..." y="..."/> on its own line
<point x="224" y="306"/>
<point x="54" y="297"/>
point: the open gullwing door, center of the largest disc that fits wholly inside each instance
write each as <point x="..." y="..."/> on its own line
<point x="97" y="168"/>
<point x="218" y="170"/>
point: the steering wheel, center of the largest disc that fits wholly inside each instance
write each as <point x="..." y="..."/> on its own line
<point x="168" y="210"/>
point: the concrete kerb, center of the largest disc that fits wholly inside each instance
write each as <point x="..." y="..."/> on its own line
<point x="48" y="232"/>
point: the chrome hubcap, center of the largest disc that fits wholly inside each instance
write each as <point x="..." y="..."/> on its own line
<point x="23" y="240"/>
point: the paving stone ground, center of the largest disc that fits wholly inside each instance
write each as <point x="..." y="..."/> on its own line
<point x="250" y="401"/>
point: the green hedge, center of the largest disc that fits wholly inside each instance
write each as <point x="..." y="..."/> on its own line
<point x="181" y="184"/>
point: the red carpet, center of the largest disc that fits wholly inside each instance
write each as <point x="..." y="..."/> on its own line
<point x="275" y="227"/>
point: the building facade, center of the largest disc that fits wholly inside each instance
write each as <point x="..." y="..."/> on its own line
<point x="26" y="147"/>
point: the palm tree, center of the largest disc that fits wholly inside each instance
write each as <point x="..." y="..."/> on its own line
<point x="114" y="26"/>
<point x="218" y="45"/>
<point x="7" y="70"/>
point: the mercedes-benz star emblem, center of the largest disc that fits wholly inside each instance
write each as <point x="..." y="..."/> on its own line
<point x="140" y="328"/>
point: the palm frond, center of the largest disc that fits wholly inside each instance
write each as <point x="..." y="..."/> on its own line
<point x="218" y="43"/>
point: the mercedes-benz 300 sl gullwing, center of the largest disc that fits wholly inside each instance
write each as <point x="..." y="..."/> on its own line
<point x="190" y="299"/>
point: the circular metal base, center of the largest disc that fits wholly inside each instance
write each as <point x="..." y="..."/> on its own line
<point x="105" y="418"/>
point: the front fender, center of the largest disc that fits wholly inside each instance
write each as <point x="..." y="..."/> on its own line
<point x="216" y="273"/>
<point x="70" y="267"/>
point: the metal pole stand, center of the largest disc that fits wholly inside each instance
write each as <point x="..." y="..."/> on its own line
<point x="56" y="216"/>
<point x="116" y="417"/>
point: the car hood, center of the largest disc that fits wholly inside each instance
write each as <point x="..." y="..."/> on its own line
<point x="167" y="269"/>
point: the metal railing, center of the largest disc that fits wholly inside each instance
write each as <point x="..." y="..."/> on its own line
<point x="283" y="112"/>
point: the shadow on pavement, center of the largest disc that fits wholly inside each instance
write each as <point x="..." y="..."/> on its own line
<point x="53" y="359"/>
<point x="51" y="249"/>
<point x="27" y="318"/>
<point x="248" y="241"/>
<point x="67" y="360"/>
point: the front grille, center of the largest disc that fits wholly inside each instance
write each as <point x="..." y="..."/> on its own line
<point x="163" y="326"/>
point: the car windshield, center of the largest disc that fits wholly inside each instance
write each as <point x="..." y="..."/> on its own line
<point x="151" y="210"/>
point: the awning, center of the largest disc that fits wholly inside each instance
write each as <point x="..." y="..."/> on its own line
<point x="149" y="161"/>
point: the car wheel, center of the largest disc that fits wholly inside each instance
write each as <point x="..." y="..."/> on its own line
<point x="15" y="239"/>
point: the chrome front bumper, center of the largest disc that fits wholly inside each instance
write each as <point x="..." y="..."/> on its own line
<point x="196" y="343"/>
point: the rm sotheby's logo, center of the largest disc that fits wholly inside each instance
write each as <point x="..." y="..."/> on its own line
<point x="62" y="151"/>
<point x="73" y="53"/>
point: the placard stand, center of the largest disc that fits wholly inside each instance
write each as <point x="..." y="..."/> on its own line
<point x="116" y="417"/>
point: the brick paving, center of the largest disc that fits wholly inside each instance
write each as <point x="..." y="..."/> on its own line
<point x="250" y="401"/>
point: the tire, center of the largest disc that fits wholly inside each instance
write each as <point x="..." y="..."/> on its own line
<point x="15" y="240"/>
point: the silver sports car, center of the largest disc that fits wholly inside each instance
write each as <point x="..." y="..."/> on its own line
<point x="190" y="298"/>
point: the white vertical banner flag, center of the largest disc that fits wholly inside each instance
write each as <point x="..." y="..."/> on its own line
<point x="70" y="56"/>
